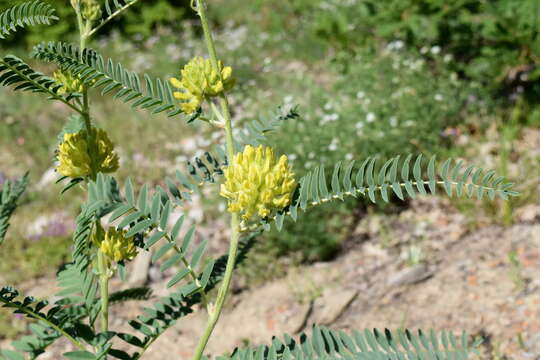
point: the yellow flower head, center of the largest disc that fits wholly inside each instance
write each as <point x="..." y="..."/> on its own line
<point x="70" y="84"/>
<point x="200" y="82"/>
<point x="90" y="10"/>
<point x="116" y="246"/>
<point x="256" y="183"/>
<point x="74" y="154"/>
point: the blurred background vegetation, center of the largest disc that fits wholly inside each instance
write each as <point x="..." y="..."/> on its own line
<point x="454" y="78"/>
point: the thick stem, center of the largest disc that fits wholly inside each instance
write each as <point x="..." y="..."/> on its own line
<point x="215" y="312"/>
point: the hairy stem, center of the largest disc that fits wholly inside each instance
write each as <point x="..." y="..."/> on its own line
<point x="215" y="312"/>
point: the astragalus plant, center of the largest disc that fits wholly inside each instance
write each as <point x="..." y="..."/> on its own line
<point x="117" y="221"/>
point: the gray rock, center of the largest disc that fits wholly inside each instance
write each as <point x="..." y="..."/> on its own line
<point x="410" y="275"/>
<point x="331" y="305"/>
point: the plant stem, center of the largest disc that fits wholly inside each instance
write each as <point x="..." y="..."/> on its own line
<point x="104" y="290"/>
<point x="84" y="29"/>
<point x="215" y="313"/>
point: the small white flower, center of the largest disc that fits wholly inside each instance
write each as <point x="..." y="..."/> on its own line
<point x="435" y="50"/>
<point x="349" y="156"/>
<point x="370" y="117"/>
<point x="292" y="157"/>
<point x="424" y="50"/>
<point x="359" y="125"/>
<point x="360" y="95"/>
<point x="438" y="97"/>
<point x="328" y="106"/>
<point x="332" y="147"/>
<point x="393" y="121"/>
<point x="288" y="99"/>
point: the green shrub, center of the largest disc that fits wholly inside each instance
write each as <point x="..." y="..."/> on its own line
<point x="141" y="20"/>
<point x="494" y="42"/>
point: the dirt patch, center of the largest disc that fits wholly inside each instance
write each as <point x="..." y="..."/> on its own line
<point x="485" y="282"/>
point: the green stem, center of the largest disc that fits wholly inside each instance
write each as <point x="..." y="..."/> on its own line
<point x="85" y="27"/>
<point x="215" y="313"/>
<point x="104" y="290"/>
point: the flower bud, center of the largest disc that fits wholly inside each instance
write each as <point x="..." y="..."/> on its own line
<point x="116" y="246"/>
<point x="256" y="183"/>
<point x="200" y="82"/>
<point x="90" y="10"/>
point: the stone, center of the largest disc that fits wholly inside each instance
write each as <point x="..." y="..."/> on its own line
<point x="140" y="269"/>
<point x="529" y="213"/>
<point x="331" y="305"/>
<point x="410" y="275"/>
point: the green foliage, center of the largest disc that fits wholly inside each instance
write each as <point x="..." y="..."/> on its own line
<point x="142" y="19"/>
<point x="28" y="13"/>
<point x="369" y="344"/>
<point x="9" y="195"/>
<point x="403" y="179"/>
<point x="16" y="73"/>
<point x="81" y="312"/>
<point x="316" y="236"/>
<point x="50" y="325"/>
<point x="494" y="42"/>
<point x="95" y="72"/>
<point x="388" y="103"/>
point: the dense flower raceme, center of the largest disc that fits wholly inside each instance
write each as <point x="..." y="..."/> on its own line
<point x="200" y="82"/>
<point x="70" y="84"/>
<point x="256" y="183"/>
<point x="74" y="159"/>
<point x="116" y="246"/>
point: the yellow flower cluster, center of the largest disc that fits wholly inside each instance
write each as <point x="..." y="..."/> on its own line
<point x="70" y="84"/>
<point x="256" y="183"/>
<point x="90" y="10"/>
<point x="74" y="154"/>
<point x="200" y="82"/>
<point x="116" y="246"/>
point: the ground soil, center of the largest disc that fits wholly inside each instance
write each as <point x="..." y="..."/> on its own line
<point x="462" y="278"/>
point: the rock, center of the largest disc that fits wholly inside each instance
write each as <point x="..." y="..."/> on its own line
<point x="54" y="225"/>
<point x="529" y="213"/>
<point x="298" y="316"/>
<point x="140" y="269"/>
<point x="331" y="305"/>
<point x="154" y="274"/>
<point x="410" y="275"/>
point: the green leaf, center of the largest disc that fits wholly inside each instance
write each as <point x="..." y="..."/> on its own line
<point x="140" y="227"/>
<point x="80" y="355"/>
<point x="28" y="13"/>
